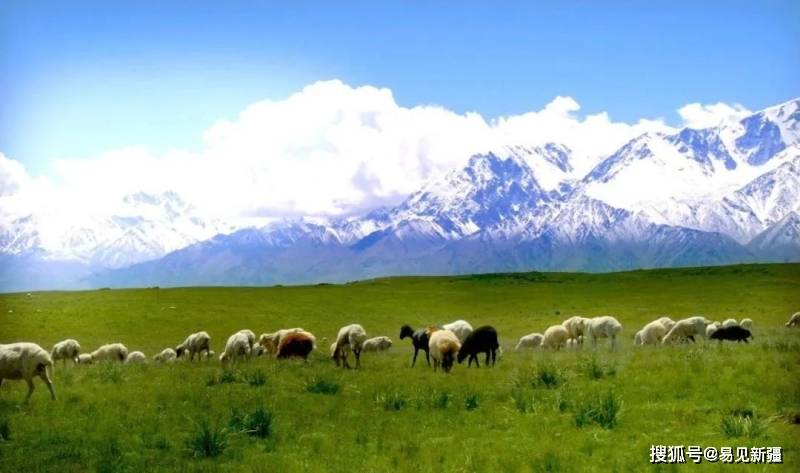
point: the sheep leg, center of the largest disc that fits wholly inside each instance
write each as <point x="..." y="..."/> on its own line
<point x="414" y="360"/>
<point x="428" y="358"/>
<point x="477" y="364"/>
<point x="488" y="354"/>
<point x="30" y="389"/>
<point x="358" y="358"/>
<point x="494" y="357"/>
<point x="49" y="384"/>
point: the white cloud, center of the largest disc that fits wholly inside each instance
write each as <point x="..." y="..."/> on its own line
<point x="328" y="149"/>
<point x="697" y="115"/>
<point x="12" y="176"/>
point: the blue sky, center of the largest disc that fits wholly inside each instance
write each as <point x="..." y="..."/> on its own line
<point x="79" y="78"/>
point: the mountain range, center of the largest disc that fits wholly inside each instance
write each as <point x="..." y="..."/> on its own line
<point x="718" y="195"/>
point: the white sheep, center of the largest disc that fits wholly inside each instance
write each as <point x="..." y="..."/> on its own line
<point x="271" y="341"/>
<point x="461" y="328"/>
<point x="604" y="326"/>
<point x="555" y="337"/>
<point x="350" y="338"/>
<point x="747" y="323"/>
<point x="85" y="359"/>
<point x="110" y="352"/>
<point x="377" y="344"/>
<point x="571" y="343"/>
<point x="794" y="320"/>
<point x="167" y="355"/>
<point x="135" y="357"/>
<point x="251" y="337"/>
<point x="729" y="323"/>
<point x="637" y="339"/>
<point x="237" y="348"/>
<point x="667" y="322"/>
<point x="532" y="340"/>
<point x="576" y="326"/>
<point x="195" y="344"/>
<point x="687" y="329"/>
<point x="653" y="332"/>
<point x="443" y="345"/>
<point x="64" y="350"/>
<point x="26" y="360"/>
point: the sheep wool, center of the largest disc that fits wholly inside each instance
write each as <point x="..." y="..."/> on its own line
<point x="532" y="340"/>
<point x="25" y="360"/>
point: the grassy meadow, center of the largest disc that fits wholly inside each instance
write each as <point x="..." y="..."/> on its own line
<point x="572" y="410"/>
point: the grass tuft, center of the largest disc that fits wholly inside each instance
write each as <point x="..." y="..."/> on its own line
<point x="603" y="411"/>
<point x="471" y="401"/>
<point x="547" y="375"/>
<point x="392" y="401"/>
<point x="595" y="369"/>
<point x="206" y="441"/>
<point x="256" y="378"/>
<point x="255" y="424"/>
<point x="322" y="386"/>
<point x="743" y="423"/>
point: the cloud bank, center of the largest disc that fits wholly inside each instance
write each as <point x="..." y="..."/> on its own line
<point x="329" y="149"/>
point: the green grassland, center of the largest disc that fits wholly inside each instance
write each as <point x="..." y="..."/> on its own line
<point x="535" y="411"/>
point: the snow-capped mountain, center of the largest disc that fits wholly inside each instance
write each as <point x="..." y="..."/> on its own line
<point x="719" y="195"/>
<point x="144" y="227"/>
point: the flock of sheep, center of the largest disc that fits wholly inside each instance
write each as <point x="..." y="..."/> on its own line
<point x="446" y="344"/>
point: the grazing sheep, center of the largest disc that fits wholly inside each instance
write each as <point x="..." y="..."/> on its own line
<point x="270" y="341"/>
<point x="66" y="350"/>
<point x="26" y="360"/>
<point x="667" y="322"/>
<point x="111" y="352"/>
<point x="461" y="328"/>
<point x="85" y="359"/>
<point x="135" y="357"/>
<point x="237" y="348"/>
<point x="555" y="337"/>
<point x="350" y="338"/>
<point x="251" y="340"/>
<point x="258" y="351"/>
<point x="794" y="320"/>
<point x="576" y="326"/>
<point x="604" y="327"/>
<point x="653" y="332"/>
<point x="532" y="340"/>
<point x="377" y="344"/>
<point x="444" y="347"/>
<point x="711" y="328"/>
<point x="686" y="329"/>
<point x="167" y="355"/>
<point x="481" y="340"/>
<point x="296" y="344"/>
<point x="730" y="323"/>
<point x="637" y="339"/>
<point x="419" y="339"/>
<point x="195" y="344"/>
<point x="735" y="332"/>
<point x="746" y="323"/>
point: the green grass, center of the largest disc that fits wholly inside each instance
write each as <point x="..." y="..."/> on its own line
<point x="535" y="411"/>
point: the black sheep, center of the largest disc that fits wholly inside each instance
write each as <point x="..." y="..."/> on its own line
<point x="419" y="339"/>
<point x="734" y="332"/>
<point x="481" y="340"/>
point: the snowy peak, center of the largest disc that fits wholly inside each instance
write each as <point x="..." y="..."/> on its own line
<point x="704" y="146"/>
<point x="780" y="242"/>
<point x="489" y="188"/>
